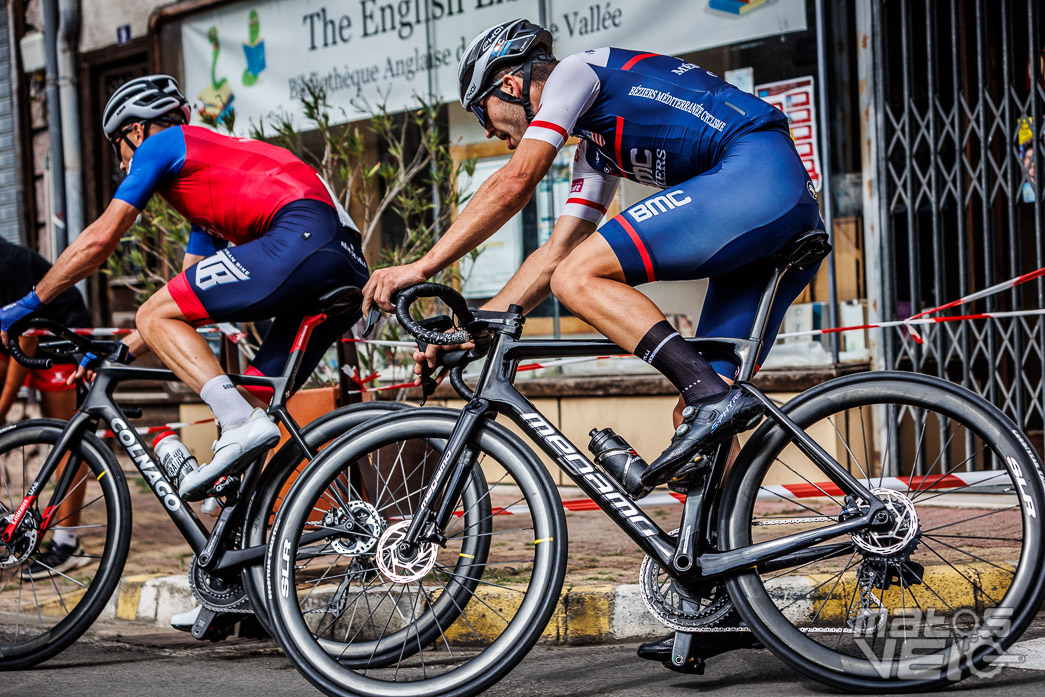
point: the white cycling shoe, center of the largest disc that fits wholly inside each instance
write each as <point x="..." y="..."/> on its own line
<point x="183" y="621"/>
<point x="232" y="453"/>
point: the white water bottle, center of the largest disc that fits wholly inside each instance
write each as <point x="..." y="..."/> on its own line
<point x="175" y="458"/>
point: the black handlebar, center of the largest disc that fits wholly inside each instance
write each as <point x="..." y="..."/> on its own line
<point x="405" y="298"/>
<point x="69" y="344"/>
<point x="472" y="330"/>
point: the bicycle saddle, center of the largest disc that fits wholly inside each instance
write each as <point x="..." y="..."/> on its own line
<point x="338" y="301"/>
<point x="805" y="250"/>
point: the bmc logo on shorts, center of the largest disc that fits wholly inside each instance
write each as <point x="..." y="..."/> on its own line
<point x="655" y="205"/>
<point x="218" y="270"/>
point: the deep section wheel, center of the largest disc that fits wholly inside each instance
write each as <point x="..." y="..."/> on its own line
<point x="46" y="600"/>
<point x="941" y="591"/>
<point x="447" y="618"/>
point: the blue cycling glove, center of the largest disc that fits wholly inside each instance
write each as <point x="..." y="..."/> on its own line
<point x="15" y="311"/>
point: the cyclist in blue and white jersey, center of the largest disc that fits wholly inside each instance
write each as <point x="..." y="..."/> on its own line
<point x="734" y="191"/>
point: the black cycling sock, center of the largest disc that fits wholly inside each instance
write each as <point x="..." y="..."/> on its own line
<point x="666" y="350"/>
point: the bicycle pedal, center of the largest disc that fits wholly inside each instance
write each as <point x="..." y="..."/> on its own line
<point x="222" y="486"/>
<point x="697" y="464"/>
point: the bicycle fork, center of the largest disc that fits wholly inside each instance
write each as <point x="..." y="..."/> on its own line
<point x="448" y="481"/>
<point x="77" y="424"/>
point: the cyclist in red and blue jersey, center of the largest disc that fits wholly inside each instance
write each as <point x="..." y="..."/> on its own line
<point x="733" y="192"/>
<point x="292" y="241"/>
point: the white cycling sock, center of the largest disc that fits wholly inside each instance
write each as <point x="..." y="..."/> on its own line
<point x="225" y="401"/>
<point x="64" y="536"/>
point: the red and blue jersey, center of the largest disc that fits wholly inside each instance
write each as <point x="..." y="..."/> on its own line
<point x="230" y="187"/>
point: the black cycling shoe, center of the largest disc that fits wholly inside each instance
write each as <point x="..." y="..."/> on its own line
<point x="702" y="427"/>
<point x="659" y="650"/>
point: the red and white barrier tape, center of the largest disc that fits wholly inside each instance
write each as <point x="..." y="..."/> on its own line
<point x="149" y="430"/>
<point x="996" y="288"/>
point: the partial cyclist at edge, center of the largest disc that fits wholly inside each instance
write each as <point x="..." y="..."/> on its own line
<point x="733" y="192"/>
<point x="292" y="242"/>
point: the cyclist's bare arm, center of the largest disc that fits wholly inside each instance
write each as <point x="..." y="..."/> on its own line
<point x="88" y="251"/>
<point x="532" y="282"/>
<point x="499" y="198"/>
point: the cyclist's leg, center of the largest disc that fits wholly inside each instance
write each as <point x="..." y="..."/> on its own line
<point x="688" y="232"/>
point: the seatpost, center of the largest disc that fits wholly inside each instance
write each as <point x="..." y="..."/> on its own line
<point x="758" y="327"/>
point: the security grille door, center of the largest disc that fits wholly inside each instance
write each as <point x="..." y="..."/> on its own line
<point x="960" y="136"/>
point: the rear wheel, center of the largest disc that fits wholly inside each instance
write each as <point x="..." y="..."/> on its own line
<point x="45" y="607"/>
<point x="937" y="597"/>
<point x="360" y="615"/>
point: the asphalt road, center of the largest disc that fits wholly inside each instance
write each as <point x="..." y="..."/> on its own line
<point x="170" y="665"/>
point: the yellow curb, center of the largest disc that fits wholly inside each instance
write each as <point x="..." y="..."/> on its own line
<point x="588" y="613"/>
<point x="490" y="610"/>
<point x="129" y="595"/>
<point x="956" y="586"/>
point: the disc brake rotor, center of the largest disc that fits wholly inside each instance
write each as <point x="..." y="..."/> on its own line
<point x="903" y="531"/>
<point x="398" y="569"/>
<point x="367" y="527"/>
<point x="23" y="543"/>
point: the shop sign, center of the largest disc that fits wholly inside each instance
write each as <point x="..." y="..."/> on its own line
<point x="256" y="57"/>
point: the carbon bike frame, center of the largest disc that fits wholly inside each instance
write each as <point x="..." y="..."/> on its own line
<point x="692" y="557"/>
<point x="99" y="406"/>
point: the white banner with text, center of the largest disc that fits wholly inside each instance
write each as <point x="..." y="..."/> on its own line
<point x="255" y="57"/>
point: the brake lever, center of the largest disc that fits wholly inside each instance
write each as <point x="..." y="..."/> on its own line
<point x="372" y="318"/>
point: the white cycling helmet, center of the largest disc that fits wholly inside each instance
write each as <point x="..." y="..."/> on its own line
<point x="144" y="99"/>
<point x="516" y="42"/>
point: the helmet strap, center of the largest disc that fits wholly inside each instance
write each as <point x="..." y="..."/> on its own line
<point x="523" y="100"/>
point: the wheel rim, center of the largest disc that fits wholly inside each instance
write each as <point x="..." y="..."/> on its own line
<point x="838" y="617"/>
<point x="490" y="618"/>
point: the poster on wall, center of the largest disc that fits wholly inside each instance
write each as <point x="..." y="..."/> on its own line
<point x="795" y="98"/>
<point x="256" y="57"/>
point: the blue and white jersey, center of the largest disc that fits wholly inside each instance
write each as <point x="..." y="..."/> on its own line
<point x="650" y="118"/>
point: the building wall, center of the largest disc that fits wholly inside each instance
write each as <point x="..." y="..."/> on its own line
<point x="10" y="210"/>
<point x="101" y="18"/>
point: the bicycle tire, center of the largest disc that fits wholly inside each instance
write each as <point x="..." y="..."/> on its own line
<point x="277" y="476"/>
<point x="533" y="606"/>
<point x="891" y="583"/>
<point x="75" y="608"/>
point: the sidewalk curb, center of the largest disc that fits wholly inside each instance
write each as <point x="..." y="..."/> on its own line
<point x="587" y="614"/>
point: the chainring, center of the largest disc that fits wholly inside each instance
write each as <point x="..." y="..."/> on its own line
<point x="217" y="594"/>
<point x="678" y="609"/>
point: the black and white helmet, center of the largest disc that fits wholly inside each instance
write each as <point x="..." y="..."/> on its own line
<point x="503" y="44"/>
<point x="144" y="99"/>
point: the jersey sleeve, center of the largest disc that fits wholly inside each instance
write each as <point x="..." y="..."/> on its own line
<point x="569" y="91"/>
<point x="161" y="155"/>
<point x="591" y="190"/>
<point x="202" y="243"/>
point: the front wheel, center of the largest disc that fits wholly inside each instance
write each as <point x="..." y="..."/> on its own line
<point x="933" y="599"/>
<point x="359" y="615"/>
<point x="47" y="602"/>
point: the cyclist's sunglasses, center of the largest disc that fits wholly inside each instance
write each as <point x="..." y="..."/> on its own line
<point x="118" y="138"/>
<point x="479" y="111"/>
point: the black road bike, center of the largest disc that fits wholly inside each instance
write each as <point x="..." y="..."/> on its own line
<point x="847" y="535"/>
<point x="41" y="617"/>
